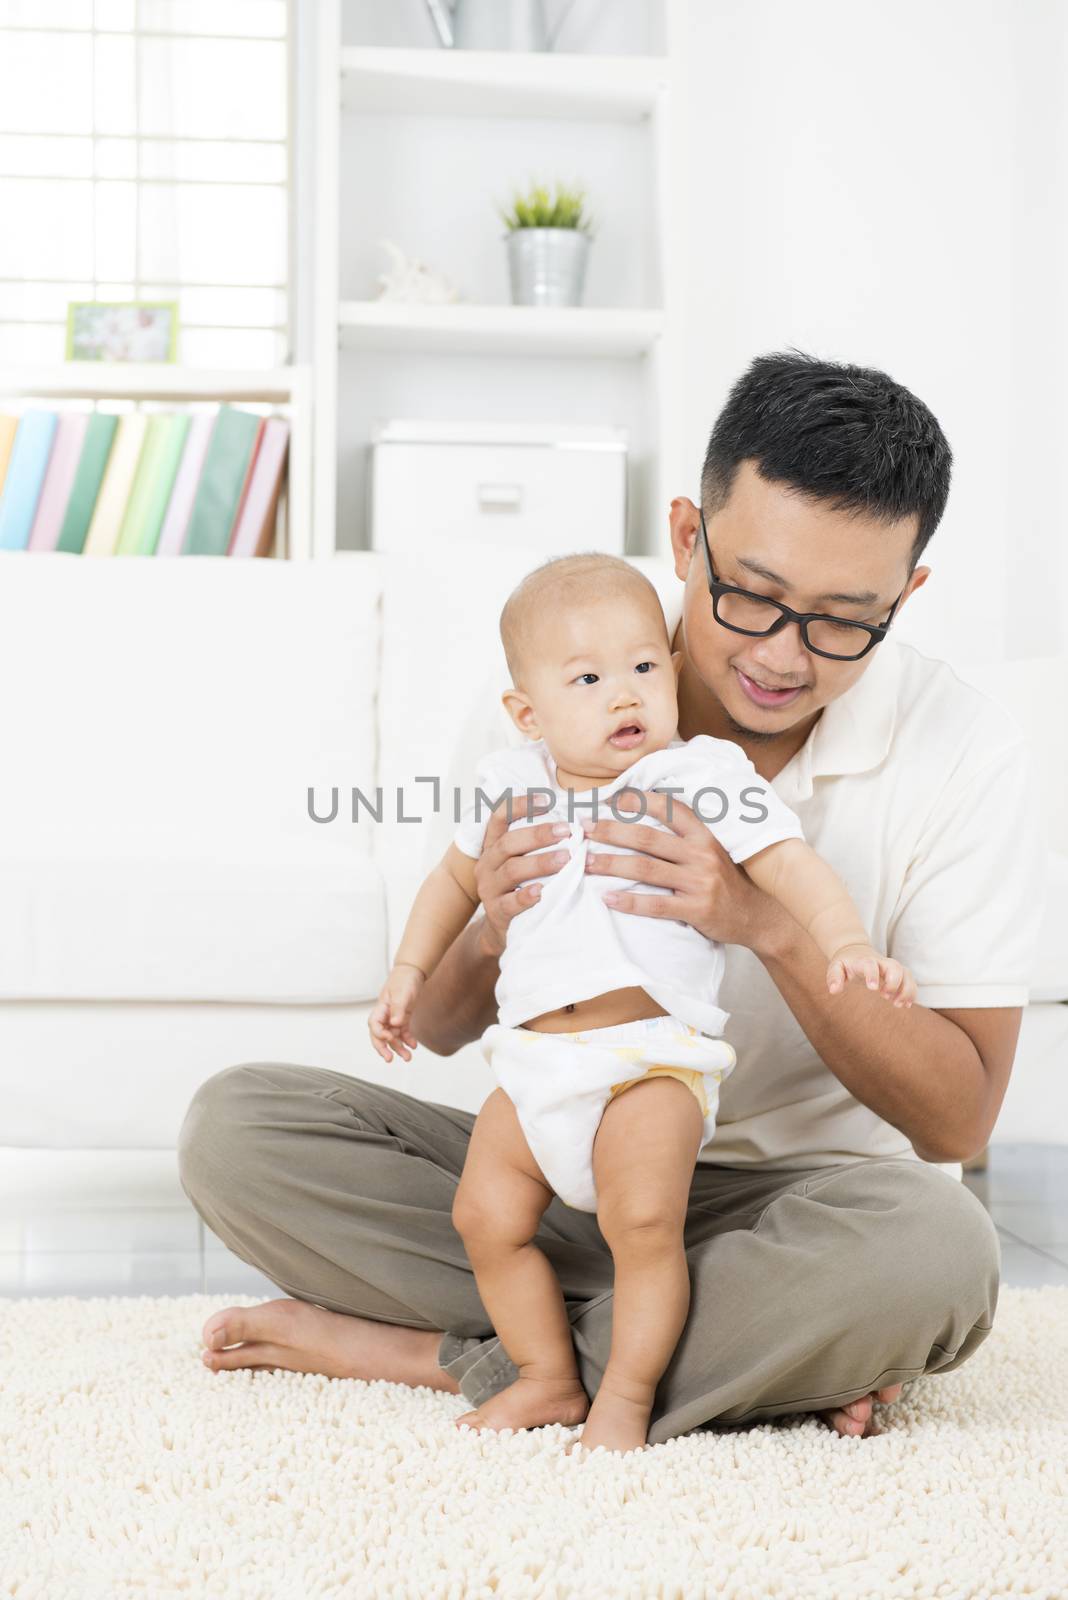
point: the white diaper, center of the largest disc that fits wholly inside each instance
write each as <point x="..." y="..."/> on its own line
<point x="560" y="1084"/>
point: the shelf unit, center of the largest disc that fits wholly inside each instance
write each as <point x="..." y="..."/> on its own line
<point x="502" y="84"/>
<point x="360" y="342"/>
<point x="290" y="387"/>
<point x="500" y="330"/>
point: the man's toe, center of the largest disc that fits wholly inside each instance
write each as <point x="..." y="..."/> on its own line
<point x="225" y="1327"/>
<point x="850" y="1420"/>
<point x="245" y="1355"/>
<point x="211" y="1333"/>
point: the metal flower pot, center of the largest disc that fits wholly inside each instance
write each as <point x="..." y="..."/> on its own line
<point x="491" y="25"/>
<point x="547" y="266"/>
<point x="496" y="24"/>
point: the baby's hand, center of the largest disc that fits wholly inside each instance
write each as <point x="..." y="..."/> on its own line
<point x="392" y="1011"/>
<point x="878" y="972"/>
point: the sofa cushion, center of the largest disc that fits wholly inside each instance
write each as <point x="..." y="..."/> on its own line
<point x="247" y="923"/>
<point x="169" y="700"/>
<point x="162" y="724"/>
<point x="1050" y="981"/>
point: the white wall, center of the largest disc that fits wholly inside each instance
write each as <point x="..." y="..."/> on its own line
<point x="881" y="183"/>
<point x="885" y="184"/>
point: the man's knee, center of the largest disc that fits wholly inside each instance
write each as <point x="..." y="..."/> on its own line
<point x="952" y="1289"/>
<point x="944" y="1210"/>
<point x="213" y="1128"/>
<point x="945" y="1246"/>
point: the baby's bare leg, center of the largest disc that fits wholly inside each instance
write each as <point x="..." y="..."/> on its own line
<point x="496" y="1211"/>
<point x="643" y="1162"/>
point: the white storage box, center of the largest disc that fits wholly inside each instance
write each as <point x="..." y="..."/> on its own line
<point x="555" y="488"/>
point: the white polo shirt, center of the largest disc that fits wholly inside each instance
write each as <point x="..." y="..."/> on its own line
<point x="917" y="790"/>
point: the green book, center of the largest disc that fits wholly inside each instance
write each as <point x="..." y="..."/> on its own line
<point x="99" y="436"/>
<point x="147" y="466"/>
<point x="221" y="482"/>
<point x="152" y="487"/>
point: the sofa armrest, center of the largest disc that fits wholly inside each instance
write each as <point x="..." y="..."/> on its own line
<point x="1050" y="982"/>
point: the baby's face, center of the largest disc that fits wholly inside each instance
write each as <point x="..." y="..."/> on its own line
<point x="601" y="686"/>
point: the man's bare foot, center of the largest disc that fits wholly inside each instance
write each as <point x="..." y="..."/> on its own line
<point x="300" y="1337"/>
<point x="855" y="1419"/>
<point x="531" y="1403"/>
<point x="614" y="1422"/>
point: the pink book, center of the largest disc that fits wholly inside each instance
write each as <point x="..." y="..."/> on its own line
<point x="249" y="470"/>
<point x="55" y="492"/>
<point x="254" y="527"/>
<point x="180" y="505"/>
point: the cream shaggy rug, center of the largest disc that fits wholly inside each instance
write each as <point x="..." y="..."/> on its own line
<point x="127" y="1468"/>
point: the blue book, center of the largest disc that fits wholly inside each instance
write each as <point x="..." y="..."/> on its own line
<point x="25" y="475"/>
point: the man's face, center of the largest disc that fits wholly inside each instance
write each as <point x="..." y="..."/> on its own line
<point x="784" y="546"/>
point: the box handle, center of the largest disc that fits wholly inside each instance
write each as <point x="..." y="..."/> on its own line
<point x="497" y="497"/>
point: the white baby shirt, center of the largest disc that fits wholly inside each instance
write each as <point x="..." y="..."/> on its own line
<point x="570" y="946"/>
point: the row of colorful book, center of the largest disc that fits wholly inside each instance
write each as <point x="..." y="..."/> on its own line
<point x="182" y="483"/>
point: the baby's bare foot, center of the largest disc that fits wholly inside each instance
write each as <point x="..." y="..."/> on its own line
<point x="616" y="1423"/>
<point x="531" y="1403"/>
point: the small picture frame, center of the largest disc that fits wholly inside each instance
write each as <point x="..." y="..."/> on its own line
<point x="132" y="330"/>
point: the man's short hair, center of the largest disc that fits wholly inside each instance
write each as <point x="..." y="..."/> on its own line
<point x="847" y="435"/>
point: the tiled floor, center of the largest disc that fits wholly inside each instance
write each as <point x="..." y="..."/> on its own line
<point x="104" y="1248"/>
<point x="1025" y="1190"/>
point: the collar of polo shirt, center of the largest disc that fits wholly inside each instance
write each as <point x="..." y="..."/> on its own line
<point x="854" y="732"/>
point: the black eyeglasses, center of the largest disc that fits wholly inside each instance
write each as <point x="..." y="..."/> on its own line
<point x="754" y="614"/>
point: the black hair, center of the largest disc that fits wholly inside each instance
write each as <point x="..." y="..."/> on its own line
<point x="844" y="434"/>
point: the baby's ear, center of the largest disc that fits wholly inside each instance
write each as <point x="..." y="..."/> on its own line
<point x="521" y="711"/>
<point x="676" y="662"/>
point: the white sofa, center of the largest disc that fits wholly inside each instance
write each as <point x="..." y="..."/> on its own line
<point x="167" y="905"/>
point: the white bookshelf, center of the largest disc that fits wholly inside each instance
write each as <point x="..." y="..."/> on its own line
<point x="289" y="388"/>
<point x="618" y="363"/>
<point x="501" y="330"/>
<point x="480" y="83"/>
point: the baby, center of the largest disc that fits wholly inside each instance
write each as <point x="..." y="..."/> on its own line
<point x="593" y="1002"/>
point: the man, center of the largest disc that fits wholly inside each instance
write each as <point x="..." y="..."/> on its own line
<point x="831" y="1260"/>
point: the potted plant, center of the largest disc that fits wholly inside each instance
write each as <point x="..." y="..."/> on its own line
<point x="496" y="24"/>
<point x="548" y="243"/>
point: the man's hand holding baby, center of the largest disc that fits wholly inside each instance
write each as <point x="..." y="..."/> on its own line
<point x="710" y="892"/>
<point x="505" y="863"/>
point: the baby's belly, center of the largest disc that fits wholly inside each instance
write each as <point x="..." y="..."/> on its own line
<point x="603" y="1011"/>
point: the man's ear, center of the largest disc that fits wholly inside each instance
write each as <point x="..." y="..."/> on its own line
<point x="521" y="711"/>
<point x="685" y="520"/>
<point x="917" y="581"/>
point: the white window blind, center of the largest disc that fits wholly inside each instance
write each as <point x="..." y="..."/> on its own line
<point x="144" y="155"/>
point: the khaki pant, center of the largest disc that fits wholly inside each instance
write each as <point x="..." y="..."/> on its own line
<point x="809" y="1287"/>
